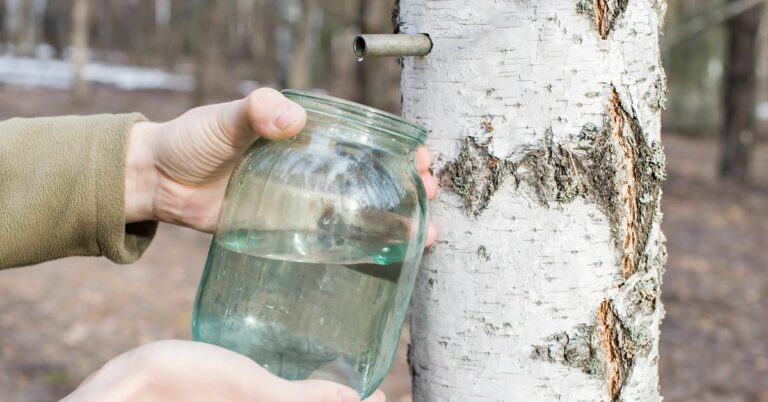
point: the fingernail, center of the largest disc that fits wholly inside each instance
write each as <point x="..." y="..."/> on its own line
<point x="347" y="395"/>
<point x="288" y="114"/>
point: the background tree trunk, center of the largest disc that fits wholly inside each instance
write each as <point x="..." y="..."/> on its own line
<point x="265" y="48"/>
<point x="300" y="68"/>
<point x="211" y="17"/>
<point x="545" y="121"/>
<point x="79" y="50"/>
<point x="25" y="40"/>
<point x="740" y="81"/>
<point x="163" y="16"/>
<point x="51" y="31"/>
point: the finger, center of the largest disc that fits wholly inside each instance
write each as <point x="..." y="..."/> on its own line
<point x="423" y="159"/>
<point x="430" y="184"/>
<point x="273" y="116"/>
<point x="377" y="396"/>
<point x="431" y="234"/>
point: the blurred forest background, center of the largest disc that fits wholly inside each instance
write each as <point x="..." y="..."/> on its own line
<point x="62" y="320"/>
<point x="208" y="48"/>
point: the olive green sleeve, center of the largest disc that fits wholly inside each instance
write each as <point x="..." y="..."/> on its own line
<point x="62" y="185"/>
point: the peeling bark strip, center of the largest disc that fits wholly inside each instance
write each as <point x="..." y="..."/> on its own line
<point x="609" y="332"/>
<point x="601" y="18"/>
<point x="633" y="187"/>
<point x="626" y="146"/>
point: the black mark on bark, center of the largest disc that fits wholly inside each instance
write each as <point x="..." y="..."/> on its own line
<point x="475" y="175"/>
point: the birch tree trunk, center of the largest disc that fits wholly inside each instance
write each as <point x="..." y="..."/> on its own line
<point x="544" y="117"/>
<point x="79" y="50"/>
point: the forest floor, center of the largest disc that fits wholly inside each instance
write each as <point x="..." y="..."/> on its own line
<point x="60" y="321"/>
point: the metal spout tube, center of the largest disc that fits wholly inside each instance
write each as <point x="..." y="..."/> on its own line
<point x="392" y="45"/>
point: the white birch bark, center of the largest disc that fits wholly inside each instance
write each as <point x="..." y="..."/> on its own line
<point x="544" y="117"/>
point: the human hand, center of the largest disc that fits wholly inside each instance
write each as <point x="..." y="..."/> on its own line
<point x="193" y="371"/>
<point x="177" y="171"/>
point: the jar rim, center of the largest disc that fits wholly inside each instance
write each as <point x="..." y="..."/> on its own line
<point x="375" y="119"/>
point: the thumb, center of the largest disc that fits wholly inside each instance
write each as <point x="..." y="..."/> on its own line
<point x="273" y="116"/>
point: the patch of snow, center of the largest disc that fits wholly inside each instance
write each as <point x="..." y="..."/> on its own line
<point x="247" y="86"/>
<point x="761" y="111"/>
<point x="714" y="68"/>
<point x="58" y="74"/>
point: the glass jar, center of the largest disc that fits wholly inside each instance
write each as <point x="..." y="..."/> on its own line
<point x="319" y="240"/>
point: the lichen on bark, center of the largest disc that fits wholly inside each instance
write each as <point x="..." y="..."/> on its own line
<point x="626" y="179"/>
<point x="475" y="175"/>
<point x="622" y="173"/>
<point x="613" y="166"/>
<point x="661" y="9"/>
<point x="607" y="350"/>
<point x="610" y="346"/>
<point x="573" y="349"/>
<point x="616" y="168"/>
<point x="656" y="97"/>
<point x="395" y="17"/>
<point x="552" y="171"/>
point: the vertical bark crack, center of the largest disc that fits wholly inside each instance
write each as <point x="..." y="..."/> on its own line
<point x="601" y="18"/>
<point x="626" y="147"/>
<point x="396" y="22"/>
<point x="605" y="13"/>
<point x="609" y="332"/>
<point x="639" y="171"/>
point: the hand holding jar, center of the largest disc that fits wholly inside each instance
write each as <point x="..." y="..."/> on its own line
<point x="317" y="247"/>
<point x="177" y="172"/>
